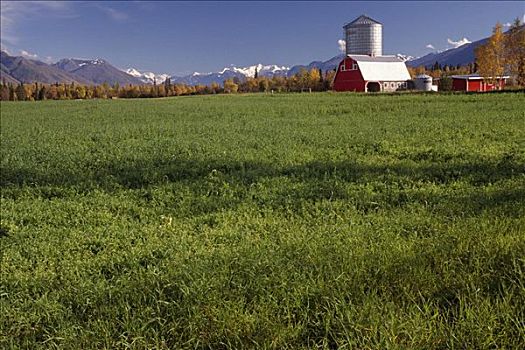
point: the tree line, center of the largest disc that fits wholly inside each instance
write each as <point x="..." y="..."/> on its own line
<point x="305" y="80"/>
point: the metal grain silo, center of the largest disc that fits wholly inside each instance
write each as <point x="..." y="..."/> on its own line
<point x="423" y="82"/>
<point x="364" y="36"/>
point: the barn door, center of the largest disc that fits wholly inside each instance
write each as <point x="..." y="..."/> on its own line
<point x="373" y="86"/>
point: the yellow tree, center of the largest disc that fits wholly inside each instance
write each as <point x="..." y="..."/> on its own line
<point x="329" y="79"/>
<point x="252" y="85"/>
<point x="215" y="88"/>
<point x="490" y="57"/>
<point x="230" y="86"/>
<point x="314" y="79"/>
<point x="80" y="92"/>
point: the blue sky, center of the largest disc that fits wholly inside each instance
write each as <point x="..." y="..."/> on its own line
<point x="183" y="37"/>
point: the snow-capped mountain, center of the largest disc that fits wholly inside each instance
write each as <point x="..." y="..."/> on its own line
<point x="96" y="71"/>
<point x="231" y="72"/>
<point x="147" y="77"/>
<point x="263" y="71"/>
<point x="71" y="64"/>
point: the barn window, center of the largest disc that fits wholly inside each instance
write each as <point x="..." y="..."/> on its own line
<point x="385" y="85"/>
<point x="343" y="68"/>
<point x="392" y="85"/>
<point x="354" y="66"/>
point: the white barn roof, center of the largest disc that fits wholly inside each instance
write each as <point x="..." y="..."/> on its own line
<point x="476" y="76"/>
<point x="381" y="68"/>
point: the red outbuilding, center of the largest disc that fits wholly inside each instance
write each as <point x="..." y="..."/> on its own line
<point x="371" y="74"/>
<point x="475" y="82"/>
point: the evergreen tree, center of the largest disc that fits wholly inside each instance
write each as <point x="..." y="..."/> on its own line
<point x="35" y="92"/>
<point x="167" y="86"/>
<point x="20" y="92"/>
<point x="42" y="93"/>
<point x="12" y="92"/>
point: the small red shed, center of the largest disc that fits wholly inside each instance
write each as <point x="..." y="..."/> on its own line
<point x="371" y="74"/>
<point x="475" y="82"/>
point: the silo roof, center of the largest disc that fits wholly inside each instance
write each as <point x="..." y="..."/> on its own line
<point x="362" y="20"/>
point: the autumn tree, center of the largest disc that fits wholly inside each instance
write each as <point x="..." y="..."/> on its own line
<point x="314" y="79"/>
<point x="4" y="92"/>
<point x="230" y="87"/>
<point x="303" y="79"/>
<point x="264" y="85"/>
<point x="80" y="92"/>
<point x="278" y="83"/>
<point x="490" y="57"/>
<point x="250" y="85"/>
<point x="329" y="79"/>
<point x="215" y="88"/>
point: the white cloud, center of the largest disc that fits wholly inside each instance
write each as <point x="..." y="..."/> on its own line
<point x="342" y="45"/>
<point x="508" y="24"/>
<point x="430" y="46"/>
<point x="460" y="42"/>
<point x="30" y="55"/>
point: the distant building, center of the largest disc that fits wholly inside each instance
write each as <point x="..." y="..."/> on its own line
<point x="364" y="68"/>
<point x="475" y="82"/>
<point x="371" y="74"/>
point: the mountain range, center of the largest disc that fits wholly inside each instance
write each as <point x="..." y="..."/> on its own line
<point x="461" y="55"/>
<point x="230" y="73"/>
<point x="16" y="69"/>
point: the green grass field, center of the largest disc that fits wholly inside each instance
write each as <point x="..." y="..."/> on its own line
<point x="264" y="221"/>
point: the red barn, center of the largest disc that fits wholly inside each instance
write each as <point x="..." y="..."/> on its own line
<point x="475" y="82"/>
<point x="371" y="74"/>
